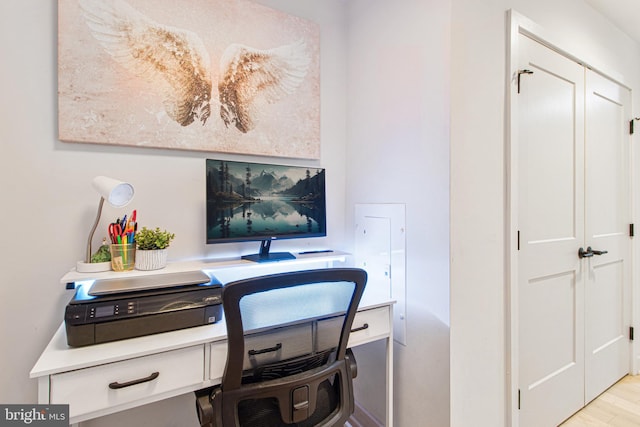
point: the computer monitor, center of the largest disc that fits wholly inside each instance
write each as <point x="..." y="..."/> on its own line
<point x="263" y="202"/>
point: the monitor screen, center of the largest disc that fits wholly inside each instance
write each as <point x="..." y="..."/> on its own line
<point x="263" y="202"/>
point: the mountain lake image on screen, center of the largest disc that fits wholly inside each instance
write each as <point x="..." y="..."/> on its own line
<point x="262" y="202"/>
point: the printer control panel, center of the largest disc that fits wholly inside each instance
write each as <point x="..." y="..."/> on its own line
<point x="89" y="313"/>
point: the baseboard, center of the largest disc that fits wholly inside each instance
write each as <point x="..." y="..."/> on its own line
<point x="362" y="418"/>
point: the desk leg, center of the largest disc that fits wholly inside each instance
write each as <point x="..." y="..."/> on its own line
<point x="43" y="390"/>
<point x="44" y="395"/>
<point x="389" y="421"/>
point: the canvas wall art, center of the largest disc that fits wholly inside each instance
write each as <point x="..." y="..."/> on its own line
<point x="226" y="76"/>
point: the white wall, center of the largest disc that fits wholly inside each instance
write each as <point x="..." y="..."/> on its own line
<point x="398" y="133"/>
<point x="48" y="204"/>
<point x="398" y="72"/>
<point x="478" y="282"/>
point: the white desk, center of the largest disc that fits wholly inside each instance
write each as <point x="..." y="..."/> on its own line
<point x="186" y="360"/>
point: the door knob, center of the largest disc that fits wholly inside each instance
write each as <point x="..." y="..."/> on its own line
<point x="585" y="254"/>
<point x="596" y="252"/>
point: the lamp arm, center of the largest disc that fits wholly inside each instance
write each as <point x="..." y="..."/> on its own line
<point x="93" y="230"/>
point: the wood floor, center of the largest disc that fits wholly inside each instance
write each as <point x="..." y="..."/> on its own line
<point x="618" y="406"/>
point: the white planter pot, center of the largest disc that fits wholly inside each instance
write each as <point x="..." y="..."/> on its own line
<point x="93" y="267"/>
<point x="151" y="260"/>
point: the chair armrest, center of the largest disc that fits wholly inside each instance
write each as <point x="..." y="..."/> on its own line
<point x="204" y="408"/>
<point x="350" y="358"/>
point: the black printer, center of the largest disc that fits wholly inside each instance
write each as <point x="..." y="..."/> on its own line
<point x="115" y="309"/>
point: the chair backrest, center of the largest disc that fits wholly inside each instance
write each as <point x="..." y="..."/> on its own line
<point x="287" y="342"/>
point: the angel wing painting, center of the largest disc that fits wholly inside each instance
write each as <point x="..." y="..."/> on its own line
<point x="237" y="81"/>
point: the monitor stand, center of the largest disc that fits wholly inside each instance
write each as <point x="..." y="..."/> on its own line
<point x="265" y="256"/>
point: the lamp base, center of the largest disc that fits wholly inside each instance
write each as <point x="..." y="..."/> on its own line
<point x="92" y="267"/>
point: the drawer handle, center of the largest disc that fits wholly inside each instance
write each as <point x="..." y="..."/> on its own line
<point x="265" y="350"/>
<point x="361" y="328"/>
<point x="116" y="385"/>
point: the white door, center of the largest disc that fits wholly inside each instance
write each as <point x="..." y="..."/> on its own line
<point x="607" y="276"/>
<point x="551" y="218"/>
<point x="572" y="193"/>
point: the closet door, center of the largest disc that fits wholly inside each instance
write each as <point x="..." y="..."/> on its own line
<point x="574" y="247"/>
<point x="551" y="226"/>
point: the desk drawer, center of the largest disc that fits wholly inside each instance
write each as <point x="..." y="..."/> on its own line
<point x="272" y="346"/>
<point x="105" y="386"/>
<point x="370" y="325"/>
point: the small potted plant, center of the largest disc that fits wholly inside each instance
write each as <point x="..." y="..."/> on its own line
<point x="151" y="248"/>
<point x="100" y="260"/>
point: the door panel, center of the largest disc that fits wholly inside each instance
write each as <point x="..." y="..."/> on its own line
<point x="551" y="214"/>
<point x="550" y="218"/>
<point x="605" y="289"/>
<point x="552" y="354"/>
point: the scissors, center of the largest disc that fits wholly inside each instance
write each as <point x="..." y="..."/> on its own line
<point x="115" y="231"/>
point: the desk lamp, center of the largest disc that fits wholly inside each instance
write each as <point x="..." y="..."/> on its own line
<point x="118" y="194"/>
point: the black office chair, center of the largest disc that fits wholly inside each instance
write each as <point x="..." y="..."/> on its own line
<point x="301" y="374"/>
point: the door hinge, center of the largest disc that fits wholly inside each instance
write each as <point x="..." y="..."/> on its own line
<point x="518" y="244"/>
<point x="630" y="333"/>
<point x="518" y="398"/>
<point x="631" y="124"/>
<point x="631" y="230"/>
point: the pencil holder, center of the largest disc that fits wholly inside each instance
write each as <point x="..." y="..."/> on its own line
<point x="123" y="257"/>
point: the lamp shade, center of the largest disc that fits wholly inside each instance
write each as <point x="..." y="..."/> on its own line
<point x="117" y="193"/>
